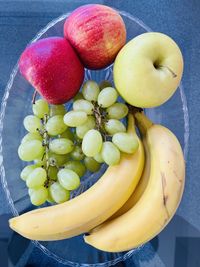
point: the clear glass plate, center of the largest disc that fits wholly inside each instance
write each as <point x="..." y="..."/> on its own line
<point x="16" y="105"/>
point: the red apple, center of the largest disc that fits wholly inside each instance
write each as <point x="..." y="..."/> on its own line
<point x="97" y="32"/>
<point x="53" y="68"/>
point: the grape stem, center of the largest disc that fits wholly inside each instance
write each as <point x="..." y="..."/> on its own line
<point x="45" y="143"/>
<point x="100" y="119"/>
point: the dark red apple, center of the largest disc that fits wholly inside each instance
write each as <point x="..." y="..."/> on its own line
<point x="53" y="68"/>
<point x="97" y="32"/>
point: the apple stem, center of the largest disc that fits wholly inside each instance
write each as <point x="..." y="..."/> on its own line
<point x="34" y="97"/>
<point x="174" y="75"/>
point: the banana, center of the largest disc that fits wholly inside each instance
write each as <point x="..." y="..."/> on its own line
<point x="159" y="201"/>
<point x="137" y="193"/>
<point x="89" y="209"/>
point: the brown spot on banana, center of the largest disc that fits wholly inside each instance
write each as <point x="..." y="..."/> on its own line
<point x="179" y="179"/>
<point x="165" y="197"/>
<point x="165" y="200"/>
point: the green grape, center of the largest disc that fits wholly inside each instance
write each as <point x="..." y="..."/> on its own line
<point x="52" y="172"/>
<point x="105" y="84"/>
<point x="58" y="193"/>
<point x="77" y="153"/>
<point x="31" y="136"/>
<point x="113" y="126"/>
<point x="40" y="162"/>
<point x="30" y="191"/>
<point x="36" y="178"/>
<point x="57" y="110"/>
<point x="110" y="153"/>
<point x="32" y="123"/>
<point x="61" y="146"/>
<point x="31" y="150"/>
<point x="55" y="125"/>
<point x="40" y="108"/>
<point x="26" y="171"/>
<point x="98" y="158"/>
<point x="75" y="118"/>
<point x="76" y="166"/>
<point x="117" y="111"/>
<point x="91" y="90"/>
<point x="92" y="143"/>
<point x="125" y="142"/>
<point x="57" y="160"/>
<point x="83" y="129"/>
<point x="38" y="196"/>
<point x="83" y="105"/>
<point x="107" y="97"/>
<point x="91" y="164"/>
<point x="68" y="179"/>
<point x="78" y="96"/>
<point x="67" y="134"/>
<point x="49" y="198"/>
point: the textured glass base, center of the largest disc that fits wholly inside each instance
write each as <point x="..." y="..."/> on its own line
<point x="17" y="104"/>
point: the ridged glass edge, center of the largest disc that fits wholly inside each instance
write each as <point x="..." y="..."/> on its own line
<point x="2" y="170"/>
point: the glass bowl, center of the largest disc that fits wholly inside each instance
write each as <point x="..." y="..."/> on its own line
<point x="16" y="105"/>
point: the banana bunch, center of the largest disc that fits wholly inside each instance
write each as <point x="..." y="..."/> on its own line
<point x="155" y="199"/>
<point x="89" y="209"/>
<point x="130" y="204"/>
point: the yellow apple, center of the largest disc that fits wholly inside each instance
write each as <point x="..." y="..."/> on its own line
<point x="148" y="70"/>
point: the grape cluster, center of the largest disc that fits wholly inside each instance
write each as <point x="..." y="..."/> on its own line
<point x="64" y="145"/>
<point x="59" y="162"/>
<point x="97" y="117"/>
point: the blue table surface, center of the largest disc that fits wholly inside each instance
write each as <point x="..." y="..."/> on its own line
<point x="178" y="245"/>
